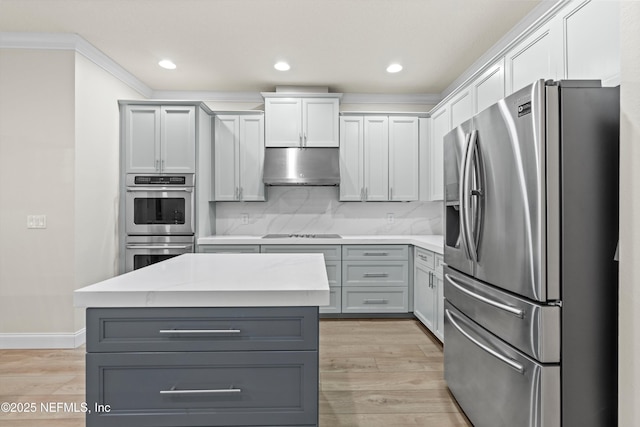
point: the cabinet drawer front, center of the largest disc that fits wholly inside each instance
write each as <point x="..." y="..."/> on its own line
<point x="335" y="301"/>
<point x="362" y="273"/>
<point x="330" y="252"/>
<point x="375" y="252"/>
<point x="334" y="273"/>
<point x="202" y="329"/>
<point x="426" y="258"/>
<point x="203" y="389"/>
<point x="375" y="300"/>
<point x="229" y="249"/>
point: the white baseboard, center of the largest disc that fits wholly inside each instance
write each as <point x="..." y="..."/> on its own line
<point x="43" y="341"/>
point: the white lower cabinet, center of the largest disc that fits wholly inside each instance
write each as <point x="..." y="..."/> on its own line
<point x="428" y="297"/>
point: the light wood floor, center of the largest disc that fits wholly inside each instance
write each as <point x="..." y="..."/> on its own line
<point x="372" y="373"/>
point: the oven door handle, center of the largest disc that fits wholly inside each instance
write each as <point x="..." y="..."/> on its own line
<point x="159" y="189"/>
<point x="159" y="246"/>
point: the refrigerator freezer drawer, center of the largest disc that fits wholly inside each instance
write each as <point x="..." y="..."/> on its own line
<point x="495" y="384"/>
<point x="530" y="327"/>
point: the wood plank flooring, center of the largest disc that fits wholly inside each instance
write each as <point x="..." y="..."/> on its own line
<point x="372" y="373"/>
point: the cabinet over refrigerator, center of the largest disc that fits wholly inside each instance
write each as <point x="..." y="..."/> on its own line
<point x="531" y="224"/>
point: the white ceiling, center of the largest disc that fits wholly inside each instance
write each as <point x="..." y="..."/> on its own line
<point x="231" y="45"/>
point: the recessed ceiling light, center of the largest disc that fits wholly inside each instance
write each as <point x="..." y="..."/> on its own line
<point x="168" y="64"/>
<point x="282" y="66"/>
<point x="394" y="68"/>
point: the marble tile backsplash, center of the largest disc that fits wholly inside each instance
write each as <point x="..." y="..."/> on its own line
<point x="318" y="210"/>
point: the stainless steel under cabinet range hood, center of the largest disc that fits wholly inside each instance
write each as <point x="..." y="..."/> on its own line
<point x="301" y="166"/>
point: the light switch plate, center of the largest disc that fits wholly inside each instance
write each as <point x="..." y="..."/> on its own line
<point x="36" y="221"/>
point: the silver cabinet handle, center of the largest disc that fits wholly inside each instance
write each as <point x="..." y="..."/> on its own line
<point x="512" y="363"/>
<point x="157" y="166"/>
<point x="199" y="331"/>
<point x="305" y="139"/>
<point x="300" y="137"/>
<point x="422" y="257"/>
<point x="212" y="391"/>
<point x="375" y="275"/>
<point x="160" y="189"/>
<point x="390" y="193"/>
<point x="366" y="193"/>
<point x="376" y="301"/>
<point x="376" y="254"/>
<point x="158" y="246"/>
<point x="509" y="309"/>
<point x="430" y="279"/>
<point x="161" y="165"/>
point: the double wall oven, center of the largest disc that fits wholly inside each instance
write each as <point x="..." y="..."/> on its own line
<point x="159" y="218"/>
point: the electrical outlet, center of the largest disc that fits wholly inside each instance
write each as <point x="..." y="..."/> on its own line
<point x="391" y="218"/>
<point x="244" y="218"/>
<point x="36" y="221"/>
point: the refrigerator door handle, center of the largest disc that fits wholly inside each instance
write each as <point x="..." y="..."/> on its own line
<point x="509" y="309"/>
<point x="463" y="202"/>
<point x="507" y="360"/>
<point x="466" y="194"/>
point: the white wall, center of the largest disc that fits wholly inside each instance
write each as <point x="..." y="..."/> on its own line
<point x="97" y="154"/>
<point x="629" y="321"/>
<point x="36" y="177"/>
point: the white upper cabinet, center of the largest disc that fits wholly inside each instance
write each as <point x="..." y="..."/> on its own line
<point x="403" y="159"/>
<point x="591" y="41"/>
<point x="302" y="122"/>
<point x="489" y="87"/>
<point x="531" y="60"/>
<point x="239" y="157"/>
<point x="379" y="158"/>
<point x="376" y="158"/>
<point x="461" y="108"/>
<point x="440" y="126"/>
<point x="159" y="139"/>
<point x="351" y="158"/>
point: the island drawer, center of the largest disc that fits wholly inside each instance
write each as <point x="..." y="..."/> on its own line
<point x="375" y="300"/>
<point x="375" y="252"/>
<point x="376" y="273"/>
<point x="201" y="329"/>
<point x="203" y="389"/>
<point x="426" y="258"/>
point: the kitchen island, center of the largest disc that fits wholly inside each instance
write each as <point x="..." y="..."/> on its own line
<point x="206" y="340"/>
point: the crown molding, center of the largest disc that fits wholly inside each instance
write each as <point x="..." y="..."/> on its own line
<point x="222" y="96"/>
<point x="73" y="42"/>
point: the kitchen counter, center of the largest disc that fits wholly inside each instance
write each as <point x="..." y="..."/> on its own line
<point x="216" y="280"/>
<point x="433" y="243"/>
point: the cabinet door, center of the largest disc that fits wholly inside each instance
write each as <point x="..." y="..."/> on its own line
<point x="142" y="138"/>
<point x="438" y="289"/>
<point x="424" y="298"/>
<point x="489" y="87"/>
<point x="283" y="122"/>
<point x="461" y="108"/>
<point x="226" y="157"/>
<point x="531" y="59"/>
<point x="351" y="158"/>
<point x="592" y="42"/>
<point x="320" y="122"/>
<point x="403" y="158"/>
<point x="251" y="158"/>
<point x="178" y="139"/>
<point x="376" y="160"/>
<point x="439" y="127"/>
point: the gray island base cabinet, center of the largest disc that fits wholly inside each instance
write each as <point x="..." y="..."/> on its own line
<point x="201" y="366"/>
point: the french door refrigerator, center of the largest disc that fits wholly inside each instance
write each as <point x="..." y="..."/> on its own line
<point x="531" y="226"/>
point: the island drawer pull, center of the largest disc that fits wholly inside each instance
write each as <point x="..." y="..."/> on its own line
<point x="376" y="254"/>
<point x="375" y="275"/>
<point x="212" y="391"/>
<point x="376" y="301"/>
<point x="199" y="331"/>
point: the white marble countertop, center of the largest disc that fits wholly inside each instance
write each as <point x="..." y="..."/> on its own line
<point x="216" y="280"/>
<point x="433" y="243"/>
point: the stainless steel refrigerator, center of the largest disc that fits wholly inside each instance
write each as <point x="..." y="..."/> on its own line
<point x="531" y="285"/>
